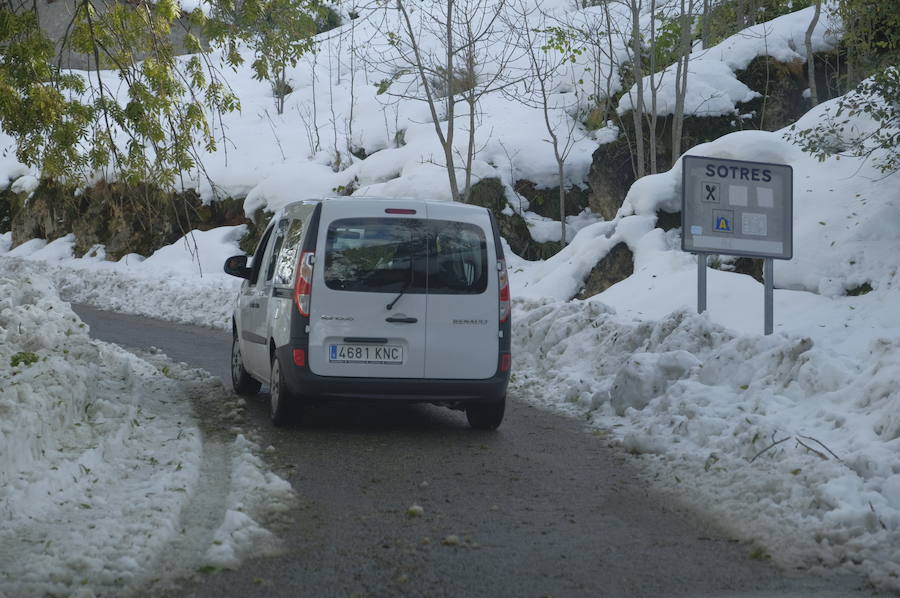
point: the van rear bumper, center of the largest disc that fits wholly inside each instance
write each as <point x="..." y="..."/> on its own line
<point x="309" y="386"/>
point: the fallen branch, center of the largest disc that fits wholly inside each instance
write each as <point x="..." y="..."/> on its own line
<point x="819" y="454"/>
<point x="820" y="443"/>
<point x="773" y="445"/>
<point x="799" y="439"/>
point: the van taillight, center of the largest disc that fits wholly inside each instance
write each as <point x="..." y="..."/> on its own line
<point x="503" y="277"/>
<point x="303" y="289"/>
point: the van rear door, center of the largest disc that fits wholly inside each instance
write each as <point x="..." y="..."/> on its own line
<point x="463" y="312"/>
<point x="368" y="304"/>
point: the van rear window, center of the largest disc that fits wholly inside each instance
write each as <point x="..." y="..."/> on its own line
<point x="389" y="255"/>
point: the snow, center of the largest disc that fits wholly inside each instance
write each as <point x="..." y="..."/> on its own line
<point x="712" y="85"/>
<point x="101" y="455"/>
<point x="24" y="184"/>
<point x="791" y="441"/>
<point x="705" y="399"/>
<point x="701" y="403"/>
<point x="198" y="252"/>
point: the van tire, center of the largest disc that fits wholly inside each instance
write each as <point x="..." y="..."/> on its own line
<point x="242" y="382"/>
<point x="283" y="405"/>
<point x="486" y="416"/>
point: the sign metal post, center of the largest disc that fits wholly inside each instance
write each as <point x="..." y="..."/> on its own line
<point x="701" y="283"/>
<point x="737" y="207"/>
<point x="769" y="277"/>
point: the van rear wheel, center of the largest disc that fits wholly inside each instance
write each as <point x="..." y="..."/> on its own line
<point x="284" y="407"/>
<point x="242" y="382"/>
<point x="486" y="416"/>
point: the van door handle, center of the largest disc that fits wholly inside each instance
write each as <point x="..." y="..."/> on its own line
<point x="395" y="320"/>
<point x="254" y="304"/>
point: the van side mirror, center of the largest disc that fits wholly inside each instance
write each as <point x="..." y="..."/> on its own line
<point x="236" y="265"/>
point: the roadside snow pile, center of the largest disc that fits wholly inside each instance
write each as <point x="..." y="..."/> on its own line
<point x="100" y="456"/>
<point x="97" y="455"/>
<point x="182" y="282"/>
<point x="789" y="445"/>
<point x="792" y="440"/>
<point x="255" y="493"/>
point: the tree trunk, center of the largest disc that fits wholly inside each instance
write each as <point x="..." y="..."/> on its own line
<point x="446" y="140"/>
<point x="638" y="105"/>
<point x="471" y="101"/>
<point x="562" y="203"/>
<point x="276" y="92"/>
<point x="451" y="107"/>
<point x="653" y="119"/>
<point x="681" y="76"/>
<point x="810" y="58"/>
<point x="705" y="25"/>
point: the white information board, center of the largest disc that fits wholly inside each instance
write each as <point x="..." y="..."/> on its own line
<point x="736" y="207"/>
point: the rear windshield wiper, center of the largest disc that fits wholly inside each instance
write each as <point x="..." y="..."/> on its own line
<point x="406" y="285"/>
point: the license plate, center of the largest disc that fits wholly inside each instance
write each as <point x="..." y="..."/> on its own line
<point x="378" y="354"/>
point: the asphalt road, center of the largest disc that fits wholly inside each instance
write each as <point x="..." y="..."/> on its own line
<point x="538" y="508"/>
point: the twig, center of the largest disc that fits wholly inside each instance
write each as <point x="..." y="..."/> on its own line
<point x="819" y="454"/>
<point x="275" y="134"/>
<point x="773" y="445"/>
<point x="872" y="507"/>
<point x="820" y="443"/>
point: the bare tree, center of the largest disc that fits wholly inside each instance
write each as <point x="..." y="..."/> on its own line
<point x="422" y="70"/>
<point x="440" y="46"/>
<point x="637" y="68"/>
<point x="541" y="90"/>
<point x="595" y="33"/>
<point x="655" y="80"/>
<point x="810" y="59"/>
<point x="475" y="80"/>
<point x="686" y="19"/>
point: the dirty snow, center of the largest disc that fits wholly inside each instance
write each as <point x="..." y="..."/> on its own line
<point x="101" y="457"/>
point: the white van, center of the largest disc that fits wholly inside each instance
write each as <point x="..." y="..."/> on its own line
<point x="381" y="299"/>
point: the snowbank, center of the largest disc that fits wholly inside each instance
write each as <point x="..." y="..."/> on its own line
<point x="95" y="463"/>
<point x="101" y="459"/>
<point x="181" y="282"/>
<point x="789" y="445"/>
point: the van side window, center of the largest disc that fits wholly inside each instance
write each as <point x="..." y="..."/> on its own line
<point x="276" y="250"/>
<point x="457" y="261"/>
<point x="290" y="251"/>
<point x="256" y="264"/>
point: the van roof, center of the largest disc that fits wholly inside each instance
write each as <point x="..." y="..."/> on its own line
<point x="405" y="201"/>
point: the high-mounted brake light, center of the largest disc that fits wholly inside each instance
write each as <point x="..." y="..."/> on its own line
<point x="303" y="288"/>
<point x="399" y="211"/>
<point x="503" y="278"/>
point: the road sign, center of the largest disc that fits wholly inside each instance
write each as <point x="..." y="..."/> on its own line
<point x="736" y="207"/>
